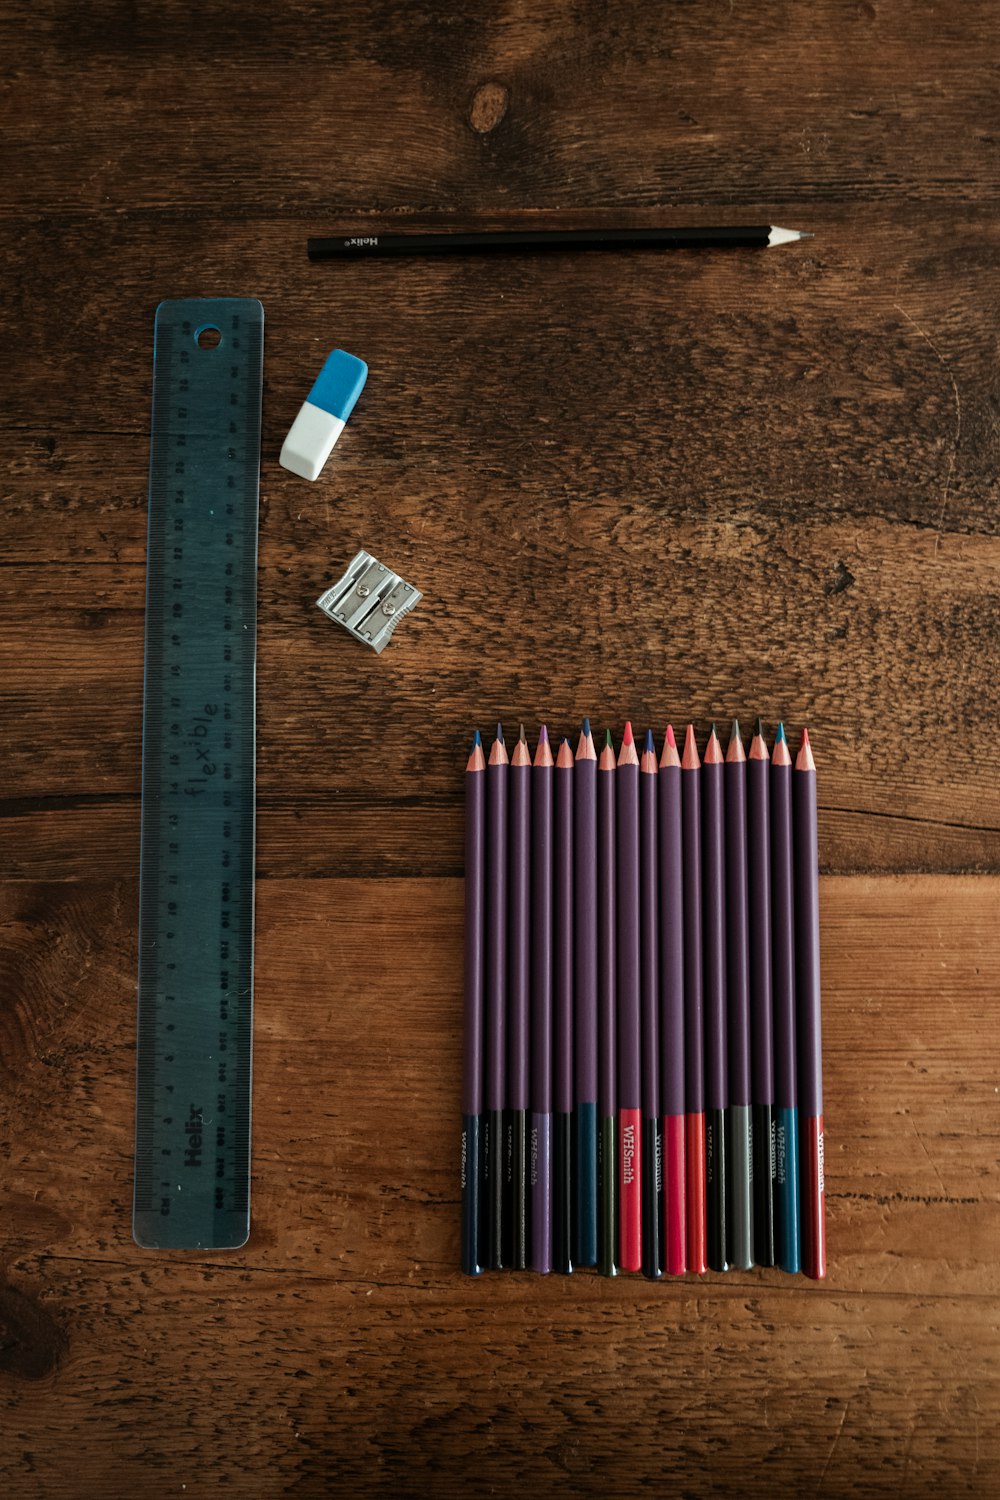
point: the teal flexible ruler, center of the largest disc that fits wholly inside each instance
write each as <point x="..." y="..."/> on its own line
<point x="196" y="881"/>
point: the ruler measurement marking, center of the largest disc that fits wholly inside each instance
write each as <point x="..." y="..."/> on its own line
<point x="193" y="1104"/>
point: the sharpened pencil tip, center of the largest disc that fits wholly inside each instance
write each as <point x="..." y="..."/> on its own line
<point x="586" y="727"/>
<point x="522" y="736"/>
<point x="690" y="760"/>
<point x="714" y="733"/>
<point x="499" y="731"/>
<point x="779" y="734"/>
<point x="650" y="743"/>
<point x="734" y="733"/>
<point x="758" y="728"/>
<point x="627" y="736"/>
<point x="670" y="737"/>
<point x="779" y="236"/>
<point x="477" y="739"/>
<point x="609" y="743"/>
<point x="543" y="735"/>
<point x="804" y="760"/>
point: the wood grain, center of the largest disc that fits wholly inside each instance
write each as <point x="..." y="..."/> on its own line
<point x="658" y="485"/>
<point x="345" y="1316"/>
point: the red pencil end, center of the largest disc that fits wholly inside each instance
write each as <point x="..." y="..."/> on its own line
<point x="627" y="736"/>
<point x="670" y="736"/>
<point x="675" y="1194"/>
<point x="697" y="1238"/>
<point x="630" y="1189"/>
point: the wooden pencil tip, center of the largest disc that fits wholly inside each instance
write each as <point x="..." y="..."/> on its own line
<point x="779" y="735"/>
<point x="650" y="743"/>
<point x="735" y="754"/>
<point x="543" y="735"/>
<point x="477" y="739"/>
<point x="690" y="760"/>
<point x="522" y="736"/>
<point x="804" y="760"/>
<point x="758" y="728"/>
<point x="586" y="727"/>
<point x="499" y="731"/>
<point x="670" y="737"/>
<point x="564" y="760"/>
<point x="609" y="743"/>
<point x="627" y="736"/>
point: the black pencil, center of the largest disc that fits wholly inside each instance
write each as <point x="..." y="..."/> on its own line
<point x="452" y="242"/>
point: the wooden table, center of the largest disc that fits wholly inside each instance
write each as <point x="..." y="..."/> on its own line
<point x="658" y="485"/>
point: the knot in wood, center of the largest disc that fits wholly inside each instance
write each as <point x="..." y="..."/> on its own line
<point x="488" y="107"/>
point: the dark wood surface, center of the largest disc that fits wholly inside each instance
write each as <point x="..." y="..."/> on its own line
<point x="658" y="485"/>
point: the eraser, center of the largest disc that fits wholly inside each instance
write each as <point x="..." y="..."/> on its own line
<point x="323" y="413"/>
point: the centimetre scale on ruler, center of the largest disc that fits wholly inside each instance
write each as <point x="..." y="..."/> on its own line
<point x="192" y="1151"/>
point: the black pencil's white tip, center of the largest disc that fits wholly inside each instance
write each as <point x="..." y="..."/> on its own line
<point x="787" y="236"/>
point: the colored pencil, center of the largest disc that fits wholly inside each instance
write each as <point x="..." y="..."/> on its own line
<point x="761" y="1042"/>
<point x="671" y="930"/>
<point x="786" y="1124"/>
<point x="456" y="242"/>
<point x="716" y="1062"/>
<point x="694" y="1015"/>
<point x="607" y="1009"/>
<point x="519" y="999"/>
<point x="562" y="1079"/>
<point x="649" y="985"/>
<point x="739" y="1206"/>
<point x="585" y="999"/>
<point x="497" y="772"/>
<point x="629" y="1008"/>
<point x="472" y="1055"/>
<point x="807" y="984"/>
<point x="541" y="1005"/>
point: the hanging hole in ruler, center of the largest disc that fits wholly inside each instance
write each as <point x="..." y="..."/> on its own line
<point x="207" y="336"/>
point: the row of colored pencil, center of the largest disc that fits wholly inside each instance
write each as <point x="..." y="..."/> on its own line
<point x="642" y="1072"/>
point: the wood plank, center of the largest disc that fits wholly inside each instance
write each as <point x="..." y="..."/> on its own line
<point x="357" y="1072"/>
<point x="343" y="1345"/>
<point x="895" y="674"/>
<point x="678" y="104"/>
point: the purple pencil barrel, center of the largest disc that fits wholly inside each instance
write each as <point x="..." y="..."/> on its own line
<point x="540" y="1147"/>
<point x="562" y="1082"/>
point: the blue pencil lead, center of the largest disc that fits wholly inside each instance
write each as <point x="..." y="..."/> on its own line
<point x="650" y="744"/>
<point x="499" y="731"/>
<point x="477" y="741"/>
<point x="779" y="735"/>
<point x="586" y="726"/>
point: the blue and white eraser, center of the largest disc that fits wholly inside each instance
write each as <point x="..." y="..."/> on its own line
<point x="323" y="413"/>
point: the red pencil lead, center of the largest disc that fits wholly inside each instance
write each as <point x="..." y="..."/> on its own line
<point x="804" y="760"/>
<point x="628" y="756"/>
<point x="669" y="756"/>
